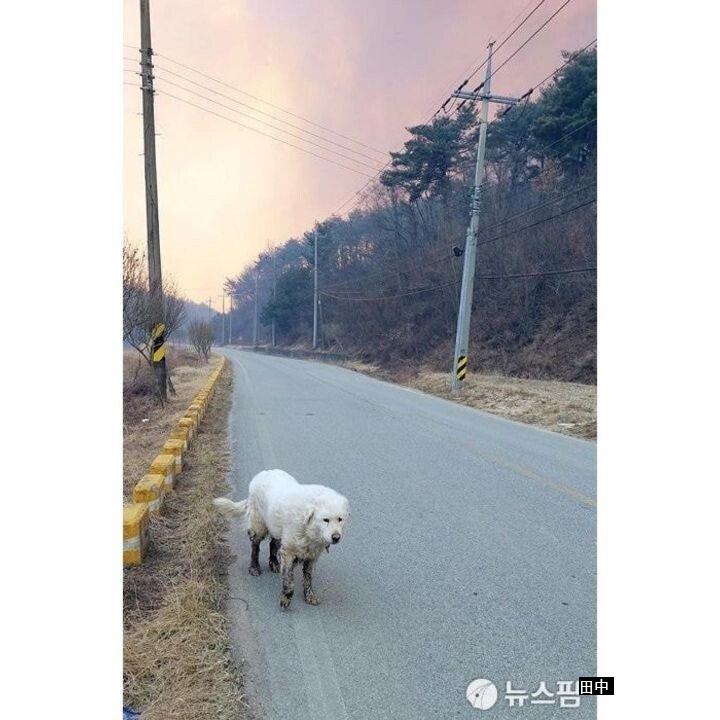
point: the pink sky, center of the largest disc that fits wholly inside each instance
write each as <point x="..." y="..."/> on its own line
<point x="365" y="69"/>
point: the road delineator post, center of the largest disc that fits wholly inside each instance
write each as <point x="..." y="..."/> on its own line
<point x="194" y="415"/>
<point x="189" y="424"/>
<point x="199" y="408"/>
<point x="175" y="448"/>
<point x="164" y="465"/>
<point x="150" y="490"/>
<point x="135" y="525"/>
<point x="182" y="434"/>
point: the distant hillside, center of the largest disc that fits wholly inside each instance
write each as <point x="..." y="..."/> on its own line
<point x="389" y="271"/>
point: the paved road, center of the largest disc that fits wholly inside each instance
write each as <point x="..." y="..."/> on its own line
<point x="471" y="551"/>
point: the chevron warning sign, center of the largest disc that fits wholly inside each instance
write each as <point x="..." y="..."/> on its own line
<point x="157" y="340"/>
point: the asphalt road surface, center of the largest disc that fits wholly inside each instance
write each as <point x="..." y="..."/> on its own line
<point x="470" y="553"/>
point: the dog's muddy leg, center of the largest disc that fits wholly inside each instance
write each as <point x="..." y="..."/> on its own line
<point x="310" y="597"/>
<point x="274" y="562"/>
<point x="287" y="566"/>
<point x="255" y="541"/>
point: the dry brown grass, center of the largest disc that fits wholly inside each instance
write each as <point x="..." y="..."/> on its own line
<point x="565" y="407"/>
<point x="142" y="440"/>
<point x="177" y="659"/>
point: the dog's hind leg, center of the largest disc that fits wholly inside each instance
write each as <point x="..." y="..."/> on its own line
<point x="274" y="562"/>
<point x="255" y="539"/>
<point x="310" y="597"/>
<point x="287" y="567"/>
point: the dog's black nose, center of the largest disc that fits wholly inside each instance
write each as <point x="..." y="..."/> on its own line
<point x="335" y="538"/>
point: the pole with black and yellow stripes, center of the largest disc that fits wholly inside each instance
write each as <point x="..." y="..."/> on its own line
<point x="156" y="308"/>
<point x="157" y="355"/>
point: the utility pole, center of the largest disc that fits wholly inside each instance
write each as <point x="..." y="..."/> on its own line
<point x="231" y="319"/>
<point x="315" y="291"/>
<point x="157" y="334"/>
<point x="273" y="295"/>
<point x="482" y="92"/>
<point x="255" y="318"/>
<point x="223" y="319"/>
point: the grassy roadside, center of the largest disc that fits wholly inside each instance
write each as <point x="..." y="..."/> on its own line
<point x="565" y="407"/>
<point x="177" y="659"/>
<point x="146" y="426"/>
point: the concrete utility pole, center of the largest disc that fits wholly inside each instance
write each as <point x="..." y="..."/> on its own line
<point x="462" y="337"/>
<point x="274" y="293"/>
<point x="315" y="291"/>
<point x="151" y="204"/>
<point x="230" y="337"/>
<point x="223" y="319"/>
<point x="255" y="318"/>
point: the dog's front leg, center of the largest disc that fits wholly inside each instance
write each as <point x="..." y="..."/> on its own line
<point x="287" y="565"/>
<point x="310" y="597"/>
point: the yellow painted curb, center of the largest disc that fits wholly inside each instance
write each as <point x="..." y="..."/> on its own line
<point x="175" y="448"/>
<point x="197" y="407"/>
<point x="189" y="424"/>
<point x="182" y="434"/>
<point x="164" y="465"/>
<point x="150" y="490"/>
<point x="135" y="523"/>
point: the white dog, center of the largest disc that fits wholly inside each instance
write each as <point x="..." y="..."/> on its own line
<point x="302" y="521"/>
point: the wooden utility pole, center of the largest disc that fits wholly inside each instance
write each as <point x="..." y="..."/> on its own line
<point x="157" y="329"/>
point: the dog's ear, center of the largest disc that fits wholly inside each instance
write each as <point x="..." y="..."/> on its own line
<point x="309" y="516"/>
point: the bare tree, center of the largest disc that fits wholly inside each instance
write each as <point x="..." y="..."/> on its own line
<point x="201" y="335"/>
<point x="137" y="316"/>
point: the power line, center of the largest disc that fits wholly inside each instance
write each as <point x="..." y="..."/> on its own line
<point x="336" y="286"/>
<point x="510" y="57"/>
<point x="269" y="104"/>
<point x="260" y="112"/>
<point x="359" y="192"/>
<point x="417" y="291"/>
<point x="539" y="222"/>
<point x="482" y="65"/>
<point x="573" y="57"/>
<point x="267" y="124"/>
<point x="260" y="132"/>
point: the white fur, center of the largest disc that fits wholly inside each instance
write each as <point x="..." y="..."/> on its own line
<point x="303" y="517"/>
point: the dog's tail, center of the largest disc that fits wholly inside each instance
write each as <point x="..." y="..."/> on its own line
<point x="228" y="507"/>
